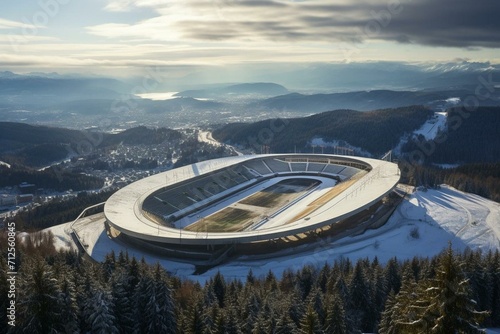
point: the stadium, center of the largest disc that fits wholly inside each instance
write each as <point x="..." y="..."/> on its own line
<point x="204" y="210"/>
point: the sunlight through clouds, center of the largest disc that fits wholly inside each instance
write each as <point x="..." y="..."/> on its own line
<point x="135" y="32"/>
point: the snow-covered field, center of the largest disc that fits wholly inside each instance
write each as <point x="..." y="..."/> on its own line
<point x="421" y="226"/>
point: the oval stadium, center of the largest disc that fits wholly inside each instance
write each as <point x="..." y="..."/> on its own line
<point x="245" y="200"/>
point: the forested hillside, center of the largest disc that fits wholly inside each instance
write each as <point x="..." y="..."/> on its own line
<point x="58" y="211"/>
<point x="49" y="178"/>
<point x="362" y="100"/>
<point x="38" y="146"/>
<point x="376" y="131"/>
<point x="63" y="293"/>
<point x="471" y="137"/>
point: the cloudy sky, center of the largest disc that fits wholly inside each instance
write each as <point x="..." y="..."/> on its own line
<point x="125" y="36"/>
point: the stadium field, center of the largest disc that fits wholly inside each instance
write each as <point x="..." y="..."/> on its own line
<point x="254" y="208"/>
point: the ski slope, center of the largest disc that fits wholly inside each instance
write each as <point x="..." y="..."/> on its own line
<point x="431" y="128"/>
<point x="3" y="163"/>
<point x="439" y="215"/>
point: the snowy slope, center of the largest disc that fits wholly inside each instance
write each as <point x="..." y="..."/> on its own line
<point x="439" y="216"/>
<point x="431" y="128"/>
<point x="2" y="163"/>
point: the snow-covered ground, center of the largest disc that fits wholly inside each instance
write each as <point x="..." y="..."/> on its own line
<point x="320" y="142"/>
<point x="158" y="96"/>
<point x="421" y="226"/>
<point x="447" y="166"/>
<point x="206" y="137"/>
<point x="431" y="128"/>
<point x="2" y="163"/>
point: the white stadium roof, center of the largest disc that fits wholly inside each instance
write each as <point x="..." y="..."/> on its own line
<point x="123" y="210"/>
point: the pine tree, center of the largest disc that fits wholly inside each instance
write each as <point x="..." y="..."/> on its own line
<point x="194" y="321"/>
<point x="156" y="311"/>
<point x="99" y="313"/>
<point x="392" y="276"/>
<point x="335" y="319"/>
<point x="309" y="323"/>
<point x="436" y="305"/>
<point x="386" y="325"/>
<point x="69" y="309"/>
<point x="250" y="277"/>
<point x="361" y="306"/>
<point x="219" y="287"/>
<point x="210" y="317"/>
<point x="271" y="284"/>
<point x="493" y="263"/>
<point x="323" y="277"/>
<point x="251" y="311"/>
<point x="305" y="281"/>
<point x="341" y="290"/>
<point x="449" y="299"/>
<point x="260" y="326"/>
<point x="492" y="267"/>
<point x="403" y="308"/>
<point x="296" y="310"/>
<point x="285" y="325"/>
<point x="316" y="299"/>
<point x="39" y="299"/>
<point x="122" y="293"/>
<point x="232" y="326"/>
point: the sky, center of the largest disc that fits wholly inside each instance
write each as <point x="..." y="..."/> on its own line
<point x="124" y="37"/>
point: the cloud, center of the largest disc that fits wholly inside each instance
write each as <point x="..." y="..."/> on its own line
<point x="17" y="39"/>
<point x="448" y="23"/>
<point x="8" y="24"/>
<point x="138" y="33"/>
<point x="129" y="5"/>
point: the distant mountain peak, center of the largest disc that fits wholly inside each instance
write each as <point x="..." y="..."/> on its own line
<point x="8" y="75"/>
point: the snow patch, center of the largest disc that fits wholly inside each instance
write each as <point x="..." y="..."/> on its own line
<point x="453" y="100"/>
<point x="159" y="96"/>
<point x="447" y="166"/>
<point x="317" y="141"/>
<point x="429" y="130"/>
<point x="2" y="163"/>
<point x="433" y="126"/>
<point x="493" y="330"/>
<point x="62" y="240"/>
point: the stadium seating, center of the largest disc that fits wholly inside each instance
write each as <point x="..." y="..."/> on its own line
<point x="334" y="169"/>
<point x="298" y="166"/>
<point x="278" y="166"/>
<point x="172" y="199"/>
<point x="315" y="167"/>
<point x="349" y="172"/>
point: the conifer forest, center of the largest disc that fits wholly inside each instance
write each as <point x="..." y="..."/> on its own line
<point x="62" y="292"/>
